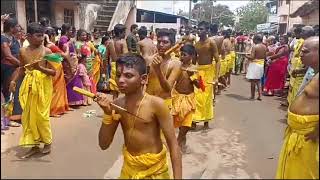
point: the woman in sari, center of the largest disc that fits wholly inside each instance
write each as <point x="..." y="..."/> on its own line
<point x="59" y="103"/>
<point x="70" y="66"/>
<point x="92" y="60"/>
<point x="10" y="49"/>
<point x="277" y="68"/>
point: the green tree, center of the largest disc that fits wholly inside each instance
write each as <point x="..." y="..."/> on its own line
<point x="220" y="14"/>
<point x="255" y="12"/>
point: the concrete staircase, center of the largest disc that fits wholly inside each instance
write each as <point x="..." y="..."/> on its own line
<point x="105" y="15"/>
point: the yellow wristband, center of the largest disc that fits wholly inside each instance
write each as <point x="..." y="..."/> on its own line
<point x="109" y="119"/>
<point x="194" y="77"/>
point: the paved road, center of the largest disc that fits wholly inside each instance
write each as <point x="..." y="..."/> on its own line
<point x="244" y="142"/>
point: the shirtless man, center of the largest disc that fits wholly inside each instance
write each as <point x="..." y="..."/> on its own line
<point x="256" y="66"/>
<point x="301" y="161"/>
<point x="218" y="39"/>
<point x="188" y="37"/>
<point x="206" y="50"/>
<point x="183" y="98"/>
<point x="143" y="151"/>
<point x="117" y="47"/>
<point x="226" y="54"/>
<point x="163" y="71"/>
<point x="146" y="46"/>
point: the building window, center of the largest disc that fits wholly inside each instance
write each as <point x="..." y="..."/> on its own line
<point x="287" y="1"/>
<point x="69" y="16"/>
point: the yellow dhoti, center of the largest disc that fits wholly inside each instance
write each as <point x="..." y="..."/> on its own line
<point x="223" y="67"/>
<point x="233" y="59"/>
<point x="112" y="81"/>
<point x="204" y="102"/>
<point x="183" y="107"/>
<point x="228" y="58"/>
<point x="145" y="166"/>
<point x="35" y="98"/>
<point x="297" y="159"/>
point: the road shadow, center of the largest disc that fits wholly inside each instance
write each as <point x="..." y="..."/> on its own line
<point x="19" y="152"/>
<point x="238" y="97"/>
<point x="283" y="108"/>
<point x="283" y="121"/>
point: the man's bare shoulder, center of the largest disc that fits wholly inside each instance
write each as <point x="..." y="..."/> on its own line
<point x="175" y="63"/>
<point x="313" y="87"/>
<point x="156" y="102"/>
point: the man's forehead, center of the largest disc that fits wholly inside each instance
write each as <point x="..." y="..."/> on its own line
<point x="126" y="68"/>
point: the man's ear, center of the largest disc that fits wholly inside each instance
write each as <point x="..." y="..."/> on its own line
<point x="144" y="78"/>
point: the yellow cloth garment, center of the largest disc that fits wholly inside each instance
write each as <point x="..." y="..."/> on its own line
<point x="204" y="102"/>
<point x="35" y="98"/>
<point x="296" y="63"/>
<point x="168" y="102"/>
<point x="96" y="70"/>
<point x="259" y="61"/>
<point x="233" y="59"/>
<point x="297" y="157"/>
<point x="228" y="58"/>
<point x="145" y="166"/>
<point x="112" y="80"/>
<point x="223" y="67"/>
<point x="183" y="106"/>
<point x="294" y="88"/>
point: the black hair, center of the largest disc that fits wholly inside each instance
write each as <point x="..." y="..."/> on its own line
<point x="104" y="39"/>
<point x="214" y="28"/>
<point x="285" y="37"/>
<point x="298" y="29"/>
<point x="44" y="21"/>
<point x="95" y="30"/>
<point x="119" y="29"/>
<point x="65" y="28"/>
<point x="35" y="28"/>
<point x="189" y="49"/>
<point x="50" y="32"/>
<point x="80" y="31"/>
<point x="133" y="26"/>
<point x="165" y="32"/>
<point x="133" y="61"/>
<point x="143" y="32"/>
<point x="226" y="33"/>
<point x="258" y="38"/>
<point x="9" y="23"/>
<point x="205" y="24"/>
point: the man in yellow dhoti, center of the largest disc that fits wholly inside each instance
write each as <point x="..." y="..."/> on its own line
<point x="35" y="92"/>
<point x="226" y="55"/>
<point x="298" y="157"/>
<point x="298" y="70"/>
<point x="117" y="47"/>
<point x="223" y="63"/>
<point x="164" y="71"/>
<point x="145" y="156"/>
<point x="206" y="50"/>
<point x="183" y="98"/>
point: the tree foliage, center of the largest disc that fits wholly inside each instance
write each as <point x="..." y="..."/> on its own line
<point x="255" y="12"/>
<point x="221" y="14"/>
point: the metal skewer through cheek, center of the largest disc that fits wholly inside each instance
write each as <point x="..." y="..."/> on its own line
<point x="94" y="97"/>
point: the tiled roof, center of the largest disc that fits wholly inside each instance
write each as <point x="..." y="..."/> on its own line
<point x="306" y="9"/>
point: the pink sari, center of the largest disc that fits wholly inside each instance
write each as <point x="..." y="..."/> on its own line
<point x="276" y="72"/>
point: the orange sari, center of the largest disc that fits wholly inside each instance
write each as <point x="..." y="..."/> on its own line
<point x="59" y="103"/>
